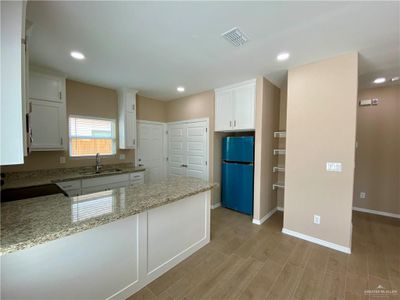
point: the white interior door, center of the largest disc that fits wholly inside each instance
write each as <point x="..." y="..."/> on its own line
<point x="176" y="150"/>
<point x="150" y="151"/>
<point x="188" y="149"/>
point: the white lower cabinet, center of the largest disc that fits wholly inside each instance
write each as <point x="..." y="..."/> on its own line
<point x="101" y="183"/>
<point x="111" y="261"/>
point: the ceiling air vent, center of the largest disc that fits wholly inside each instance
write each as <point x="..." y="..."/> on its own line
<point x="235" y="36"/>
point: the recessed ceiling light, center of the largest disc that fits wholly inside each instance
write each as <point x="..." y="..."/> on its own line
<point x="395" y="78"/>
<point x="77" y="55"/>
<point x="283" y="56"/>
<point x="180" y="89"/>
<point x="380" y="80"/>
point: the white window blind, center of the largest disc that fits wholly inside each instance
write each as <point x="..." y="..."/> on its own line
<point x="89" y="136"/>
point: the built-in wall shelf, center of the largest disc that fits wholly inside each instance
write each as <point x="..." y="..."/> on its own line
<point x="278" y="185"/>
<point x="279" y="151"/>
<point x="279" y="134"/>
<point x="278" y="169"/>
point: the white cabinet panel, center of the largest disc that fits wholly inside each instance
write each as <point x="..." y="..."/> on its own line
<point x="46" y="122"/>
<point x="223" y="110"/>
<point x="127" y="118"/>
<point x="45" y="87"/>
<point x="244" y="104"/>
<point x="235" y="107"/>
<point x="93" y="264"/>
<point x="130" y="130"/>
<point x="186" y="217"/>
<point x="11" y="100"/>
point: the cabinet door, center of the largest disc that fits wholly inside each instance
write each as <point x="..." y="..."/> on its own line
<point x="244" y="99"/>
<point x="130" y="126"/>
<point x="223" y="110"/>
<point x="46" y="121"/>
<point x="130" y="101"/>
<point x="45" y="87"/>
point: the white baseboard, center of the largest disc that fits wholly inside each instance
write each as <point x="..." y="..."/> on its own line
<point x="265" y="218"/>
<point x="316" y="241"/>
<point x="215" y="205"/>
<point x="376" y="212"/>
<point x="279" y="208"/>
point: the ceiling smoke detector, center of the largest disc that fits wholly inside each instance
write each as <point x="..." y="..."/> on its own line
<point x="235" y="37"/>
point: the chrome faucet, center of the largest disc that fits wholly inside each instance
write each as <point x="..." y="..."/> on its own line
<point x="98" y="163"/>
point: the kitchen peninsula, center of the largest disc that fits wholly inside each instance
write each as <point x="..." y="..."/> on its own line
<point x="110" y="243"/>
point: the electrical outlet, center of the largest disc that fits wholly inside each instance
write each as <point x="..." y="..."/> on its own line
<point x="62" y="159"/>
<point x="121" y="156"/>
<point x="363" y="195"/>
<point x="317" y="219"/>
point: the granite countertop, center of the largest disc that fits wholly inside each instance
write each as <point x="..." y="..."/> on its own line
<point x="39" y="177"/>
<point x="29" y="222"/>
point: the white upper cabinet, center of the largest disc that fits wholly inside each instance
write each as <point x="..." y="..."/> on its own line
<point x="127" y="118"/>
<point x="235" y="107"/>
<point x="46" y="121"/>
<point x="45" y="87"/>
<point x="47" y="112"/>
<point x="223" y="110"/>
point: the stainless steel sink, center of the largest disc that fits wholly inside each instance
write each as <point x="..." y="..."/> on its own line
<point x="105" y="171"/>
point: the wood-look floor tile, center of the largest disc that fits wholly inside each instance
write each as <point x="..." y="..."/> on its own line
<point x="333" y="286"/>
<point x="286" y="282"/>
<point x="143" y="294"/>
<point x="310" y="284"/>
<point x="261" y="284"/>
<point x="231" y="287"/>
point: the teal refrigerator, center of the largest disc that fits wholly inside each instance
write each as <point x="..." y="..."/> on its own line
<point x="238" y="173"/>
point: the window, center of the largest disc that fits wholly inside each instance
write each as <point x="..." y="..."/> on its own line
<point x="89" y="136"/>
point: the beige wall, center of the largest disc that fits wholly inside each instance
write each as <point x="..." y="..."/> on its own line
<point x="267" y="121"/>
<point x="194" y="107"/>
<point x="82" y="99"/>
<point x="150" y="109"/>
<point x="378" y="154"/>
<point x="321" y="127"/>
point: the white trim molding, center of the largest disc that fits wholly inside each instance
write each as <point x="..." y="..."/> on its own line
<point x="316" y="241"/>
<point x="377" y="212"/>
<point x="265" y="218"/>
<point x="215" y="205"/>
<point x="278" y="208"/>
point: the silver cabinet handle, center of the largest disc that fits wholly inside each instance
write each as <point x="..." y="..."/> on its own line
<point x="184" y="166"/>
<point x="230" y="123"/>
<point x="234" y="123"/>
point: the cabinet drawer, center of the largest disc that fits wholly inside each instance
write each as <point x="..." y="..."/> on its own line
<point x="72" y="193"/>
<point x="105" y="180"/>
<point x="106" y="187"/>
<point x="69" y="185"/>
<point x="137" y="176"/>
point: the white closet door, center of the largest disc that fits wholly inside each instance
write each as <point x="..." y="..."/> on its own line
<point x="176" y="150"/>
<point x="151" y="150"/>
<point x="244" y="113"/>
<point x="187" y="149"/>
<point x="196" y="150"/>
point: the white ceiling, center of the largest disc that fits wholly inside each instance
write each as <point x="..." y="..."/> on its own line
<point x="156" y="46"/>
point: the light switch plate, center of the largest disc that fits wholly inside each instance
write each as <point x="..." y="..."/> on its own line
<point x="62" y="159"/>
<point x="363" y="195"/>
<point x="121" y="156"/>
<point x="334" y="167"/>
<point x="317" y="219"/>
